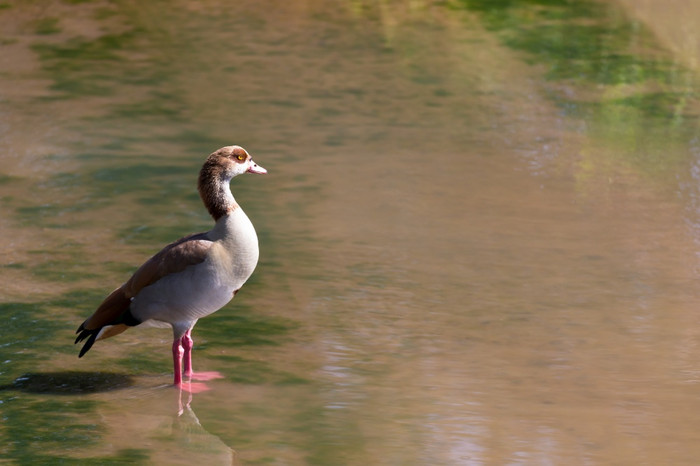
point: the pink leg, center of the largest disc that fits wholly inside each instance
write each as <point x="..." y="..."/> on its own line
<point x="181" y="352"/>
<point x="177" y="361"/>
<point x="182" y="361"/>
<point x="187" y="343"/>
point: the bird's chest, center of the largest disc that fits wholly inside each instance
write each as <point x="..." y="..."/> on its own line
<point x="204" y="288"/>
<point x="235" y="254"/>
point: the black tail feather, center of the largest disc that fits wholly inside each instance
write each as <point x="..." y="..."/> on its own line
<point x="127" y="318"/>
<point x="91" y="336"/>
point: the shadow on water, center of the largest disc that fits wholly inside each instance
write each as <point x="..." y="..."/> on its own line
<point x="70" y="382"/>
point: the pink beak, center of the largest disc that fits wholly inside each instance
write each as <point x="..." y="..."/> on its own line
<point x="257" y="169"/>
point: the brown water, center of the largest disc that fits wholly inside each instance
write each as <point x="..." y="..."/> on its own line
<point x="464" y="258"/>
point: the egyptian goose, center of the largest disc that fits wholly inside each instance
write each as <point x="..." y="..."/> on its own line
<point x="192" y="277"/>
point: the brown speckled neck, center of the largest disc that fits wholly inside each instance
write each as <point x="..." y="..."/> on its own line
<point x="214" y="188"/>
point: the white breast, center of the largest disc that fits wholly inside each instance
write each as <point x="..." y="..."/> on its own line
<point x="202" y="289"/>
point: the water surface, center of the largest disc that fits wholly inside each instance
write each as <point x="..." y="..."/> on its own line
<point x="479" y="236"/>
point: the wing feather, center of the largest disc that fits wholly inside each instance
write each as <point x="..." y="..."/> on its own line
<point x="173" y="258"/>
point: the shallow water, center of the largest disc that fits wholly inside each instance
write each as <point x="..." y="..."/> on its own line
<point x="479" y="233"/>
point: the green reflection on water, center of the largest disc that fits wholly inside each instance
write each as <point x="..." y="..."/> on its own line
<point x="26" y="336"/>
<point x="31" y="432"/>
<point x="71" y="64"/>
<point x="47" y="26"/>
<point x="30" y="428"/>
<point x="5" y="179"/>
<point x="585" y="52"/>
<point x="601" y="51"/>
<point x="67" y="264"/>
<point x="240" y="325"/>
<point x="250" y="371"/>
<point x="610" y="72"/>
<point x="29" y="330"/>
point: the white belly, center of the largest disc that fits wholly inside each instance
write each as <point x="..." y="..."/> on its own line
<point x="189" y="295"/>
<point x="202" y="289"/>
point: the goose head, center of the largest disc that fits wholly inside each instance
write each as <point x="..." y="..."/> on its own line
<point x="217" y="172"/>
<point x="231" y="161"/>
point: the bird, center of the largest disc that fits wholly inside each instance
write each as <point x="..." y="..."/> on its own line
<point x="190" y="278"/>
